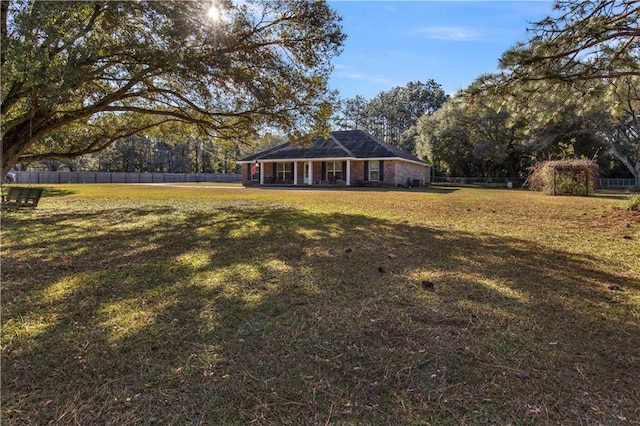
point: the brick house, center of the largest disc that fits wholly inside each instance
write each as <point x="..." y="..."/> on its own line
<point x="346" y="158"/>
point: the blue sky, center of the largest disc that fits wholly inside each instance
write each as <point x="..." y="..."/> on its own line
<point x="391" y="43"/>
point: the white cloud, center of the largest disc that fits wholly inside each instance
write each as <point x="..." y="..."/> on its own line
<point x="345" y="71"/>
<point x="449" y="33"/>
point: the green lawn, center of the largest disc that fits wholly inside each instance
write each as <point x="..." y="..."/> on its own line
<point x="133" y="304"/>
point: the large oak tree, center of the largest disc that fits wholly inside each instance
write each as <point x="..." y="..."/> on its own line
<point x="77" y="76"/>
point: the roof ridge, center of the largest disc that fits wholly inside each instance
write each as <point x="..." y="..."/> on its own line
<point x="383" y="144"/>
<point x="344" y="148"/>
<point x="395" y="150"/>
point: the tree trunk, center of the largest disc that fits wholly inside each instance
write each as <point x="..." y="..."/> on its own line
<point x="12" y="148"/>
<point x="633" y="168"/>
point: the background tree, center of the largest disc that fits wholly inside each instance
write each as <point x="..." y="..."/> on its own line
<point x="351" y="114"/>
<point x="622" y="132"/>
<point x="144" y="154"/>
<point x="77" y="76"/>
<point x="469" y="137"/>
<point x="443" y="141"/>
<point x="473" y="139"/>
<point x="587" y="54"/>
<point x="573" y="133"/>
<point x="390" y="115"/>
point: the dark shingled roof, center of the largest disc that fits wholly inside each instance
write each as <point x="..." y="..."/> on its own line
<point x="341" y="144"/>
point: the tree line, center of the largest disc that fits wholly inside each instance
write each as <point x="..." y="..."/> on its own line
<point x="144" y="155"/>
<point x="473" y="137"/>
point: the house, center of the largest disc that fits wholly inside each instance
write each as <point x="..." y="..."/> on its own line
<point x="346" y="158"/>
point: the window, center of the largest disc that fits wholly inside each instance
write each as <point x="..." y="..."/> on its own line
<point x="374" y="170"/>
<point x="284" y="171"/>
<point x="334" y="171"/>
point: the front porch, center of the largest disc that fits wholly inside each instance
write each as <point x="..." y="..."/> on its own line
<point x="302" y="173"/>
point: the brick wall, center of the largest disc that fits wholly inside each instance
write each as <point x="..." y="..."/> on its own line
<point x="389" y="172"/>
<point x="357" y="172"/>
<point x="397" y="172"/>
<point x="246" y="179"/>
<point x="409" y="171"/>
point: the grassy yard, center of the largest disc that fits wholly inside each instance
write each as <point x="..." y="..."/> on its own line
<point x="132" y="304"/>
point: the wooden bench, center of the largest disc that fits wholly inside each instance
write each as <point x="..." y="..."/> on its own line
<point x="21" y="197"/>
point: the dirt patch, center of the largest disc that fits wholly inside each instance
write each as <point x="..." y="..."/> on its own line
<point x="618" y="217"/>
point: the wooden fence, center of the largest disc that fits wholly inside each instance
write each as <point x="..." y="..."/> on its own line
<point x="108" y="177"/>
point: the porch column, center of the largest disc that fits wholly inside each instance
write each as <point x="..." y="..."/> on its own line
<point x="295" y="173"/>
<point x="261" y="173"/>
<point x="310" y="173"/>
<point x="348" y="172"/>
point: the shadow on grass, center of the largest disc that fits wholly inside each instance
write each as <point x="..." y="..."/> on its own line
<point x="49" y="191"/>
<point x="279" y="316"/>
<point x="52" y="191"/>
<point x="620" y="194"/>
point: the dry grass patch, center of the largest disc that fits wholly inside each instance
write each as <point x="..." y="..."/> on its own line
<point x="160" y="305"/>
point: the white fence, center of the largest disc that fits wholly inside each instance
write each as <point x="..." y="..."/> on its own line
<point x="108" y="177"/>
<point x="613" y="183"/>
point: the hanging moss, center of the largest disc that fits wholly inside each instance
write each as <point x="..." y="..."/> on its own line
<point x="564" y="177"/>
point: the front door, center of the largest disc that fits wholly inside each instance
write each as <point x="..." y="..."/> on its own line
<point x="306" y="174"/>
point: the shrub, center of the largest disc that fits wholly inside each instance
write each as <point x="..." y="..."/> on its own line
<point x="633" y="202"/>
<point x="563" y="177"/>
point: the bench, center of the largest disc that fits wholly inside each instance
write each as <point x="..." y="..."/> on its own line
<point x="20" y="197"/>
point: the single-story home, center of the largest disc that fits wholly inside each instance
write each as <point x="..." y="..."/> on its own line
<point x="347" y="158"/>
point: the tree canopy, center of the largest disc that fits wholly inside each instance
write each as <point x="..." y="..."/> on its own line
<point x="473" y="139"/>
<point x="584" y="40"/>
<point x="585" y="58"/>
<point x="77" y="75"/>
